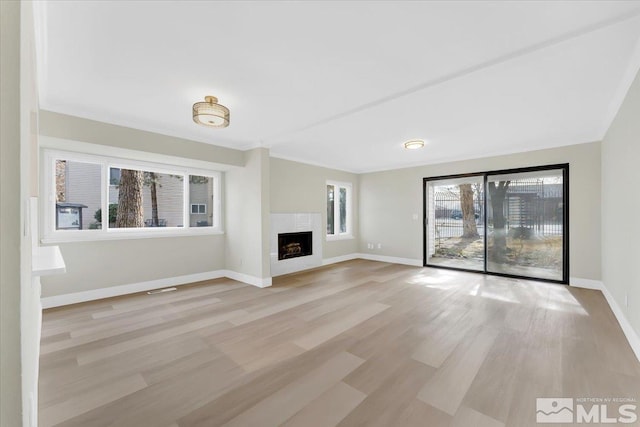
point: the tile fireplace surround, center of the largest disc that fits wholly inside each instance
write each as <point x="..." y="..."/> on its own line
<point x="291" y="223"/>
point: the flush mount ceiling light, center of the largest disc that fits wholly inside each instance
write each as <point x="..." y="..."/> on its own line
<point x="210" y="113"/>
<point x="414" y="144"/>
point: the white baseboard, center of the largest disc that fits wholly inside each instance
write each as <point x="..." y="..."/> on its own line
<point x="114" y="291"/>
<point x="373" y="257"/>
<point x="132" y="288"/>
<point x="578" y="282"/>
<point x="391" y="259"/>
<point x="74" y="298"/>
<point x="342" y="258"/>
<point x="629" y="332"/>
<point x="245" y="278"/>
<point x="627" y="329"/>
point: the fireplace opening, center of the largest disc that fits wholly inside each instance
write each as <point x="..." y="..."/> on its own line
<point x="293" y="245"/>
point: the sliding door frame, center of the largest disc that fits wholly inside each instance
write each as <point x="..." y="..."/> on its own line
<point x="485" y="177"/>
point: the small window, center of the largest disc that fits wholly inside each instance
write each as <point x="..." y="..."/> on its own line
<point x="339" y="210"/>
<point x="201" y="197"/>
<point x="114" y="176"/>
<point x="78" y="195"/>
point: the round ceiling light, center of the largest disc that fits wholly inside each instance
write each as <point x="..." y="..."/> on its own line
<point x="210" y="113"/>
<point x="414" y="144"/>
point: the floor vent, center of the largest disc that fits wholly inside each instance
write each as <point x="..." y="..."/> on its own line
<point x="160" y="291"/>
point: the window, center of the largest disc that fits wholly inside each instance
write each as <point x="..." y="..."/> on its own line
<point x="145" y="198"/>
<point x="202" y="196"/>
<point x="96" y="197"/>
<point x="114" y="176"/>
<point x="78" y="199"/>
<point x="339" y="210"/>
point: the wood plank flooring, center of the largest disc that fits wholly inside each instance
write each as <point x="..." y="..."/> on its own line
<point x="353" y="344"/>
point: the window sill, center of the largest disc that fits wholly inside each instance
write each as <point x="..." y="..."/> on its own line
<point x="97" y="235"/>
<point x="333" y="237"/>
<point x="47" y="260"/>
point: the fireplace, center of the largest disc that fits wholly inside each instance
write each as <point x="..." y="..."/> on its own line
<point x="294" y="245"/>
<point x="287" y="228"/>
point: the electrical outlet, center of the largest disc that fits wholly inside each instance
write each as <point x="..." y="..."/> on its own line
<point x="369" y="245"/>
<point x="415" y="216"/>
<point x="379" y="245"/>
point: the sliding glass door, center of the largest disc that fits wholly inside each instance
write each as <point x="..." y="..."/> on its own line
<point x="526" y="224"/>
<point x="518" y="230"/>
<point x="455" y="224"/>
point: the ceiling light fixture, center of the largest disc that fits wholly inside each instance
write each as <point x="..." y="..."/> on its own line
<point x="414" y="144"/>
<point x="210" y="113"/>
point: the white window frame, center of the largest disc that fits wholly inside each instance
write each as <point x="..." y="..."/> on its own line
<point x="336" y="211"/>
<point x="51" y="235"/>
<point x="198" y="204"/>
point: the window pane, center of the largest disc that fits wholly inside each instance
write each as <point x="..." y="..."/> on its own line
<point x="343" y="210"/>
<point x="201" y="199"/>
<point x="146" y="199"/>
<point x="526" y="224"/>
<point x="330" y="207"/>
<point x="114" y="176"/>
<point x="455" y="223"/>
<point x="78" y="195"/>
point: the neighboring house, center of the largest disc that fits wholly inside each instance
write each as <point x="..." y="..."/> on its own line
<point x="201" y="203"/>
<point x="81" y="186"/>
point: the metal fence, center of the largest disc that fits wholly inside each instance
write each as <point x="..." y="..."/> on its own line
<point x="529" y="204"/>
<point x="536" y="206"/>
<point x="448" y="212"/>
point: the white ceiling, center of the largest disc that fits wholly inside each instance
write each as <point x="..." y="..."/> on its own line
<point x="343" y="84"/>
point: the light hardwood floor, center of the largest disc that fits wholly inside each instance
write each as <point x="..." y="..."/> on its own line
<point x="356" y="343"/>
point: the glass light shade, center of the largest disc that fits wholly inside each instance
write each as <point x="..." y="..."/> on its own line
<point x="414" y="144"/>
<point x="210" y="113"/>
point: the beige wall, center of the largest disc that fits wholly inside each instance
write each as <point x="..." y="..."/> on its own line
<point x="389" y="200"/>
<point x="19" y="293"/>
<point x="101" y="264"/>
<point x="298" y="187"/>
<point x="84" y="130"/>
<point x="247" y="215"/>
<point x="10" y="201"/>
<point x="30" y="307"/>
<point x="621" y="205"/>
